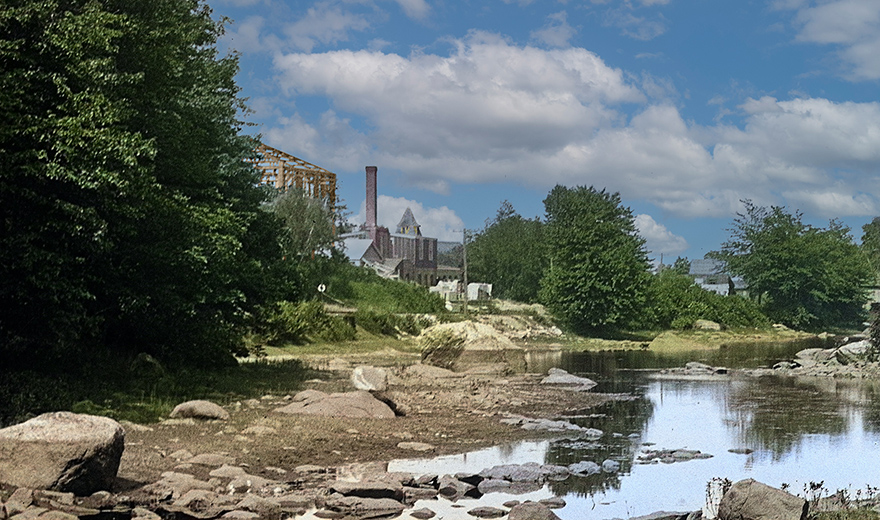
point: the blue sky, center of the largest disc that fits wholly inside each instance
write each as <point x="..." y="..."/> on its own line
<point x="685" y="107"/>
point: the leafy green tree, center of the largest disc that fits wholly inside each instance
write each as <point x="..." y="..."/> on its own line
<point x="307" y="223"/>
<point x="681" y="266"/>
<point x="598" y="268"/>
<point x="131" y="221"/>
<point x="871" y="244"/>
<point x="803" y="276"/>
<point x="509" y="253"/>
<point x="675" y="301"/>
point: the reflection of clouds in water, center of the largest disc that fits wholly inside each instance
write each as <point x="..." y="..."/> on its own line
<point x="830" y="428"/>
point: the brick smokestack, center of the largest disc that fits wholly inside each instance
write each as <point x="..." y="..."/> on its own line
<point x="371" y="197"/>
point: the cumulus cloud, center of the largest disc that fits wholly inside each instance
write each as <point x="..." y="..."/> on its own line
<point x="853" y="26"/>
<point x="659" y="240"/>
<point x="491" y="111"/>
<point x="441" y="223"/>
<point x="556" y="32"/>
<point x="324" y="23"/>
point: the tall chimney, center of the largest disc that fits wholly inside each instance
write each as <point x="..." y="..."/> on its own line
<point x="371" y="197"/>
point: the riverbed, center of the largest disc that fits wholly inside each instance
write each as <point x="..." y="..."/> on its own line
<point x="785" y="432"/>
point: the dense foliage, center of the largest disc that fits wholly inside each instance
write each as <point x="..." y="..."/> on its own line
<point x="510" y="253"/>
<point x="871" y="245"/>
<point x="129" y="217"/>
<point x="674" y="301"/>
<point x="803" y="276"/>
<point x="597" y="268"/>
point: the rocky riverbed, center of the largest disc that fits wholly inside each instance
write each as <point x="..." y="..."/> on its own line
<point x="323" y="452"/>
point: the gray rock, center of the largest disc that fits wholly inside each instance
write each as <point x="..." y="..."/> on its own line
<point x="487" y="512"/>
<point x="531" y="511"/>
<point x="413" y="494"/>
<point x="422" y="514"/>
<point x="227" y="471"/>
<point x="610" y="466"/>
<point x="21" y="499"/>
<point x="859" y="351"/>
<point x="359" y="404"/>
<point x="248" y="483"/>
<point x="369" y="378"/>
<point x="364" y="507"/>
<point x="557" y="376"/>
<point x="452" y="488"/>
<point x="553" y="502"/>
<point x="198" y="409"/>
<point x="368" y="489"/>
<point x="584" y="468"/>
<point x="175" y="485"/>
<point x="528" y="472"/>
<point x="62" y="451"/>
<point x="752" y="500"/>
<point x="266" y="507"/>
<point x="696" y="366"/>
<point x="661" y="515"/>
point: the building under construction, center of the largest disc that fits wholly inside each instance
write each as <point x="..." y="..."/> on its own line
<point x="283" y="171"/>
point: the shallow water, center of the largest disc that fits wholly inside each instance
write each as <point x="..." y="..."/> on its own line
<point x="801" y="432"/>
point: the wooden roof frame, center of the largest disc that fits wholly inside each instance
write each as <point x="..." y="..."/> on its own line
<point x="282" y="170"/>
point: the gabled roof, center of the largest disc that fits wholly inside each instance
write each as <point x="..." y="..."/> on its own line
<point x="707" y="266"/>
<point x="408" y="224"/>
<point x="356" y="248"/>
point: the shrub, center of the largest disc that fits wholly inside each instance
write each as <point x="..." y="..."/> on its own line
<point x="674" y="301"/>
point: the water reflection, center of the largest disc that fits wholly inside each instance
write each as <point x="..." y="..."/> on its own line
<point x="800" y="430"/>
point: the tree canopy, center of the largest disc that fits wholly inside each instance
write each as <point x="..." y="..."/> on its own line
<point x="803" y="276"/>
<point x="597" y="267"/>
<point x="130" y="218"/>
<point x="509" y="253"/>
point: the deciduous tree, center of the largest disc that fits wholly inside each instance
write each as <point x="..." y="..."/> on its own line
<point x="598" y="268"/>
<point x="804" y="276"/>
<point x="509" y="253"/>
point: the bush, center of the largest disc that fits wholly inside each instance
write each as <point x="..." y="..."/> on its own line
<point x="674" y="301"/>
<point x="387" y="324"/>
<point x="289" y="322"/>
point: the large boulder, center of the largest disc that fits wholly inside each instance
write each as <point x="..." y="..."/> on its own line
<point x="752" y="500"/>
<point x="359" y="404"/>
<point x="62" y="451"/>
<point x="855" y="352"/>
<point x="198" y="409"/>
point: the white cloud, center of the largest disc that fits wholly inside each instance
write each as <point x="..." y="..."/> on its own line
<point x="659" y="240"/>
<point x="324" y="23"/>
<point x="491" y="111"/>
<point x="850" y="25"/>
<point x="416" y="9"/>
<point x="556" y="32"/>
<point x="441" y="223"/>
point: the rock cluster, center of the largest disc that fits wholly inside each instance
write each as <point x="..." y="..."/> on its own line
<point x="670" y="456"/>
<point x="854" y="358"/>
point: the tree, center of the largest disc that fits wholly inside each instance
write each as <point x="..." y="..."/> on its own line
<point x="803" y="276"/>
<point x="307" y="223"/>
<point x="510" y="254"/>
<point x="131" y="221"/>
<point x="598" y="268"/>
<point x="871" y="244"/>
<point x="681" y="266"/>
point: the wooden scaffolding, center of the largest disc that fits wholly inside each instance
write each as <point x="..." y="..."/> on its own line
<point x="282" y="170"/>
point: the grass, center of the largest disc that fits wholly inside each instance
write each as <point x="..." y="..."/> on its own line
<point x="142" y="396"/>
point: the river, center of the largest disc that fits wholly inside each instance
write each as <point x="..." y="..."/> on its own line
<point x="798" y="432"/>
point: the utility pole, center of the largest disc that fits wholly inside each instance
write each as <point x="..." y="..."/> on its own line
<point x="464" y="262"/>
